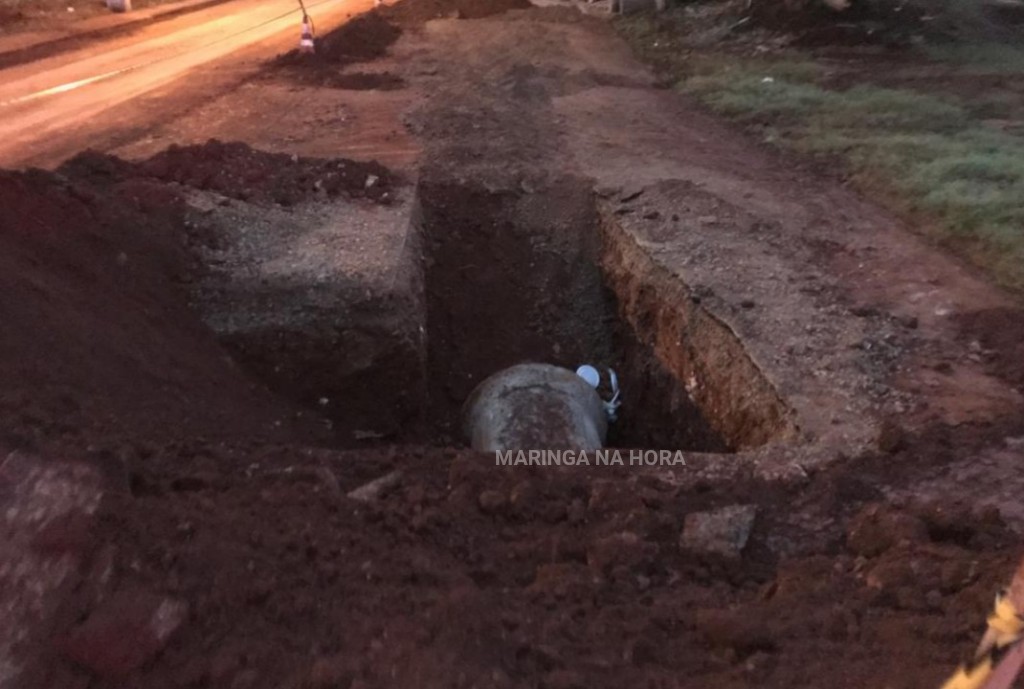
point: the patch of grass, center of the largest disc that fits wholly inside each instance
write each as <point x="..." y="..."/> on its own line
<point x="933" y="154"/>
<point x="928" y="150"/>
<point x="869" y="108"/>
<point x="990" y="57"/>
<point x="658" y="39"/>
<point x="749" y="95"/>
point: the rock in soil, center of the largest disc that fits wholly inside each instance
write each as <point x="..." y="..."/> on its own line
<point x="376" y="488"/>
<point x="877" y="528"/>
<point x="724" y="531"/>
<point x="125" y="632"/>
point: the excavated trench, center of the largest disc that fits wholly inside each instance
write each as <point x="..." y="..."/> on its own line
<point x="506" y="276"/>
<point x="513" y="276"/>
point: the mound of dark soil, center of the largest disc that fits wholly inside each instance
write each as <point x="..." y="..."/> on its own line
<point x="97" y="169"/>
<point x="241" y="172"/>
<point x="10" y="16"/>
<point x="365" y="81"/>
<point x="419" y="11"/>
<point x="328" y="76"/>
<point x="365" y="37"/>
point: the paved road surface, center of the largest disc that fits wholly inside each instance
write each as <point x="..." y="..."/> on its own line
<point x="57" y="103"/>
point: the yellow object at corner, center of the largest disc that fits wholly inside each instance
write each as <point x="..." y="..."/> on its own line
<point x="970" y="678"/>
<point x="1005" y="621"/>
<point x="1005" y="626"/>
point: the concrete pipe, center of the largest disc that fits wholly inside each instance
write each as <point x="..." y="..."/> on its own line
<point x="535" y="407"/>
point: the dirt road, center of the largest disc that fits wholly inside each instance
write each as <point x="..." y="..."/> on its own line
<point x="56" y="104"/>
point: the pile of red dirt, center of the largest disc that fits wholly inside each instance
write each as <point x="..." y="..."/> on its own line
<point x="465" y="574"/>
<point x="95" y="263"/>
<point x="239" y="171"/>
<point x="98" y="338"/>
<point x="217" y="559"/>
<point x="97" y="333"/>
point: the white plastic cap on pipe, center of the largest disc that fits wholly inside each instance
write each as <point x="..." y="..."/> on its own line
<point x="593" y="378"/>
<point x="589" y="374"/>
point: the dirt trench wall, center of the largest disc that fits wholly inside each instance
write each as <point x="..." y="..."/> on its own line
<point x="700" y="351"/>
<point x="514" y="276"/>
<point x="363" y="369"/>
<point x="385" y="319"/>
<point x="511" y="276"/>
<point x="324" y="304"/>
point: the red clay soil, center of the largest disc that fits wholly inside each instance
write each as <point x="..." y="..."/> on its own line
<point x="227" y="553"/>
<point x="367" y="81"/>
<point x="94" y="267"/>
<point x="95" y="263"/>
<point x="997" y="331"/>
<point x="9" y="16"/>
<point x="465" y="575"/>
<point x="218" y="560"/>
<point x="330" y="77"/>
<point x="96" y="331"/>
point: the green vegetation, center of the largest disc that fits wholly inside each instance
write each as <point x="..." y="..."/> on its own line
<point x="931" y="154"/>
<point x="996" y="57"/>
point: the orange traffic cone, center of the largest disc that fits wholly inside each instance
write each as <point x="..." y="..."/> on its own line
<point x="306" y="44"/>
